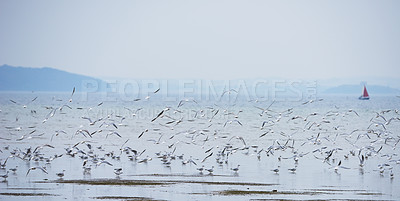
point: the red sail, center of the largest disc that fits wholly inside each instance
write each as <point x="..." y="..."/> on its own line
<point x="365" y="94"/>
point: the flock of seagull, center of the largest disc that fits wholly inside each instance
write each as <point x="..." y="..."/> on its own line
<point x="214" y="131"/>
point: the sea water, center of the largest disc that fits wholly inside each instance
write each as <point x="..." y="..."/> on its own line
<point x="230" y="130"/>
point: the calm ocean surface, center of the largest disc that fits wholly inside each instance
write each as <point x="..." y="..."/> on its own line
<point x="311" y="136"/>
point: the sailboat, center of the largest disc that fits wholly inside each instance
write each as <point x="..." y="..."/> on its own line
<point x="365" y="95"/>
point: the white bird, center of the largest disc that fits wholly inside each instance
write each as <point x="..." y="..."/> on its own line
<point x="339" y="166"/>
<point x="114" y="133"/>
<point x="14" y="169"/>
<point x="4" y="176"/>
<point x="105" y="162"/>
<point x="35" y="168"/>
<point x="275" y="170"/>
<point x="351" y="110"/>
<point x="160" y="114"/>
<point x="86" y="170"/>
<point x="3" y="165"/>
<point x="141" y="134"/>
<point x="60" y="174"/>
<point x="211" y="170"/>
<point x="201" y="169"/>
<point x="231" y="121"/>
<point x="145" y="160"/>
<point x="362" y="161"/>
<point x="118" y="171"/>
<point x="236" y="169"/>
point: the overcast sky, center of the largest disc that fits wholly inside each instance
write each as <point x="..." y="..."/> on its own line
<point x="205" y="38"/>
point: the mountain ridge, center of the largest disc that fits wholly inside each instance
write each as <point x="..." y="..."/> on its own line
<point x="41" y="79"/>
<point x="51" y="79"/>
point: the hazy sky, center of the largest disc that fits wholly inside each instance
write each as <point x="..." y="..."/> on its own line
<point x="204" y="38"/>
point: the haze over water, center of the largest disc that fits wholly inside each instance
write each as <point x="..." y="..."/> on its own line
<point x="243" y="118"/>
<point x="304" y="131"/>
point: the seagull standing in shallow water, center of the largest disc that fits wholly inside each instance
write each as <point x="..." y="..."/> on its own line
<point x="60" y="174"/>
<point x="14" y="169"/>
<point x="236" y="169"/>
<point x="118" y="171"/>
<point x="292" y="170"/>
<point x="201" y="169"/>
<point x="4" y="176"/>
<point x="211" y="170"/>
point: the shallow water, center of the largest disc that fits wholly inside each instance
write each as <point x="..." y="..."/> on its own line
<point x="257" y="156"/>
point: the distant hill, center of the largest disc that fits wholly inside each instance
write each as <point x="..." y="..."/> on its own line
<point x="357" y="89"/>
<point x="41" y="79"/>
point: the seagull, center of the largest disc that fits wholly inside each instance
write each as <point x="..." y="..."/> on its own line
<point x="362" y="161"/>
<point x="265" y="110"/>
<point x="86" y="170"/>
<point x="293" y="170"/>
<point x="60" y="174"/>
<point x="207" y="157"/>
<point x="211" y="170"/>
<point x="339" y="166"/>
<point x="41" y="147"/>
<point x="159" y="114"/>
<point x="262" y="135"/>
<point x="201" y="169"/>
<point x="229" y="91"/>
<point x="190" y="160"/>
<point x="3" y="165"/>
<point x="378" y="115"/>
<point x="351" y="110"/>
<point x="83" y="132"/>
<point x="239" y="138"/>
<point x="4" y="176"/>
<point x="134" y="113"/>
<point x="118" y="171"/>
<point x="231" y="121"/>
<point x="141" y="134"/>
<point x="267" y="122"/>
<point x="26" y="105"/>
<point x="14" y="169"/>
<point x="73" y="91"/>
<point x="275" y="170"/>
<point x="377" y="124"/>
<point x="145" y="160"/>
<point x="91" y="122"/>
<point x="185" y="100"/>
<point x="114" y="133"/>
<point x="101" y="162"/>
<point x="35" y="168"/>
<point x="57" y="132"/>
<point x="236" y="169"/>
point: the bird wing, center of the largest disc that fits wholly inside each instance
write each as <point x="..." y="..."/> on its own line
<point x="13" y="101"/>
<point x="44" y="170"/>
<point x="28" y="171"/>
<point x="162" y="112"/>
<point x="73" y="91"/>
<point x="207" y="157"/>
<point x="34" y="99"/>
<point x="141" y="134"/>
<point x="116" y="133"/>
